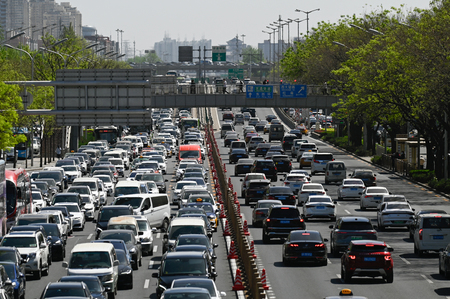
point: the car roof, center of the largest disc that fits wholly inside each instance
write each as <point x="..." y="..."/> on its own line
<point x="372" y="242"/>
<point x="187" y="221"/>
<point x="93" y="247"/>
<point x="79" y="278"/>
<point x="353" y="219"/>
<point x="184" y="254"/>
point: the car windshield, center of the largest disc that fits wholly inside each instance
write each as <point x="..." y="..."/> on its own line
<point x="397" y="206"/>
<point x="207" y="208"/>
<point x="436" y="222"/>
<point x="73" y="208"/>
<point x="105" y="179"/>
<point x="305" y="236"/>
<point x="368" y="248"/>
<point x="50" y="175"/>
<point x="92" y="284"/>
<point x="143" y="225"/>
<point x="70" y="168"/>
<point x="78" y="190"/>
<point x="353" y="182"/>
<point x="199" y="283"/>
<point x="156" y="177"/>
<point x="377" y="191"/>
<point x="122" y="257"/>
<point x="192" y="241"/>
<point x="184" y="266"/>
<point x="319" y="199"/>
<point x="312" y="187"/>
<point x="285" y="213"/>
<point x="10" y="270"/>
<point x="8" y="256"/>
<point x="295" y="178"/>
<point x="355" y="225"/>
<point x="189" y="154"/>
<point x="91" y="185"/>
<point x="125" y="236"/>
<point x="65" y="198"/>
<point x="36" y="195"/>
<point x="51" y="229"/>
<point x="26" y="221"/>
<point x="65" y="291"/>
<point x="107" y="214"/>
<point x="175" y="231"/>
<point x="90" y="260"/>
<point x="280" y="190"/>
<point x="266" y="205"/>
<point x="180" y="185"/>
<point x="364" y="174"/>
<point x="126" y="190"/>
<point x="20" y="242"/>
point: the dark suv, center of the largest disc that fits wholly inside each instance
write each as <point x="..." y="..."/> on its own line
<point x="282" y="162"/>
<point x="288" y="141"/>
<point x="256" y="190"/>
<point x="367" y="258"/>
<point x="267" y="167"/>
<point x="348" y="229"/>
<point x="366" y="175"/>
<point x="280" y="221"/>
<point x="107" y="212"/>
<point x="262" y="149"/>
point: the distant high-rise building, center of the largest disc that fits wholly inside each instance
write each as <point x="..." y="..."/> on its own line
<point x="167" y="49"/>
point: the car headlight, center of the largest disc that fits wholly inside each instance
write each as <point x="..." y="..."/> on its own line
<point x="32" y="255"/>
<point x="107" y="277"/>
<point x="133" y="250"/>
<point x="126" y="271"/>
<point x="58" y="242"/>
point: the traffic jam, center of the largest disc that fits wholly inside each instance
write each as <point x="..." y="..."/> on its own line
<point x="140" y="208"/>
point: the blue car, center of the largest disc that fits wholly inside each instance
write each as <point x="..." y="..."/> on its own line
<point x="16" y="277"/>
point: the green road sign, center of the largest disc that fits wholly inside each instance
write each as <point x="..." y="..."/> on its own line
<point x="236" y="73"/>
<point x="219" y="53"/>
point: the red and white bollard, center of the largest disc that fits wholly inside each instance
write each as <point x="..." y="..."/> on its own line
<point x="245" y="227"/>
<point x="238" y="286"/>
<point x="233" y="252"/>
<point x="252" y="248"/>
<point x="264" y="280"/>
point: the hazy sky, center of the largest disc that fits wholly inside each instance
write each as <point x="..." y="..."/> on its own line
<point x="148" y="21"/>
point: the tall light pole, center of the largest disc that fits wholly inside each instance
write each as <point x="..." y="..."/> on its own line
<point x="270" y="40"/>
<point x="13" y="37"/>
<point x="57" y="53"/>
<point x="29" y="55"/>
<point x="307" y="17"/>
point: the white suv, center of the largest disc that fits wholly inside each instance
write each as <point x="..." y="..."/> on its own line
<point x="32" y="247"/>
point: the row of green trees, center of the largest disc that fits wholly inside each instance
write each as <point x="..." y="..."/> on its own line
<point x="390" y="67"/>
<point x="16" y="65"/>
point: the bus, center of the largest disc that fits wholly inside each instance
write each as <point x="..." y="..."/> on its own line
<point x="187" y="123"/>
<point x="22" y="148"/>
<point x="18" y="195"/>
<point x="109" y="133"/>
<point x="2" y="198"/>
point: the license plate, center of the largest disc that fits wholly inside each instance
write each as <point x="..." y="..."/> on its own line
<point x="353" y="189"/>
<point x="282" y="197"/>
<point x="336" y="173"/>
<point x="438" y="237"/>
<point x="259" y="191"/>
<point x="356" y="237"/>
<point x="296" y="185"/>
<point x="399" y="222"/>
<point x="266" y="169"/>
<point x="377" y="197"/>
<point x="312" y="193"/>
<point x="246" y="166"/>
<point x="320" y="207"/>
<point x="284" y="221"/>
<point x="306" y="254"/>
<point x="323" y="163"/>
<point x="370" y="259"/>
<point x="279" y="163"/>
<point x="238" y="156"/>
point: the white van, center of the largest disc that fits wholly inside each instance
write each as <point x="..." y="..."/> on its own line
<point x="155" y="207"/>
<point x="125" y="222"/>
<point x="119" y="153"/>
<point x="97" y="259"/>
<point x="335" y="171"/>
<point x="136" y="141"/>
<point x="129" y="187"/>
<point x="431" y="233"/>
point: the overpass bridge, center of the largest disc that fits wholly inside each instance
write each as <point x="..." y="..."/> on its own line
<point x="126" y="97"/>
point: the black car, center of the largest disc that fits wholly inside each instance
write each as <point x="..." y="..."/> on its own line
<point x="259" y="127"/>
<point x="297" y="133"/>
<point x="133" y="245"/>
<point x="56" y="175"/>
<point x="53" y="189"/>
<point x="230" y="138"/>
<point x="57" y="242"/>
<point x="47" y="192"/>
<point x="243" y="166"/>
<point x="262" y="149"/>
<point x="269" y="117"/>
<point x="98" y="291"/>
<point x="305" y="246"/>
<point x="280" y="221"/>
<point x="288" y="141"/>
<point x="348" y="229"/>
<point x="158" y="178"/>
<point x="196" y="239"/>
<point x="366" y="175"/>
<point x="256" y="190"/>
<point x="282" y="193"/>
<point x="107" y="212"/>
<point x="176" y="265"/>
<point x="69" y="289"/>
<point x="276" y="148"/>
<point x="267" y="167"/>
<point x="125" y="270"/>
<point x="282" y="162"/>
<point x="237" y="153"/>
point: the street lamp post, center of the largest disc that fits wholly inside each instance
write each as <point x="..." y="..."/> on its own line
<point x="12" y="37"/>
<point x="270" y="40"/>
<point x="307" y="17"/>
<point x="57" y="53"/>
<point x="298" y="27"/>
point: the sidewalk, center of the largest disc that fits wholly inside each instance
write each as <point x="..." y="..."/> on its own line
<point x="29" y="165"/>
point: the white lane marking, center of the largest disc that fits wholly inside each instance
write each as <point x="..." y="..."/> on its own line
<point x="150" y="265"/>
<point x="158" y="235"/>
<point x="347" y="211"/>
<point x="329" y="261"/>
<point x="406" y="261"/>
<point x="90" y="236"/>
<point x="155" y="248"/>
<point x="427" y="279"/>
<point x="146" y="283"/>
<point x="338" y="203"/>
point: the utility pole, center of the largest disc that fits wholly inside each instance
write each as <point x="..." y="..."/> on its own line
<point x="134" y="51"/>
<point x="118" y="40"/>
<point x="121" y="40"/>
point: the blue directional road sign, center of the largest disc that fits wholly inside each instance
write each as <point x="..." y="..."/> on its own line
<point x="292" y="91"/>
<point x="259" y="91"/>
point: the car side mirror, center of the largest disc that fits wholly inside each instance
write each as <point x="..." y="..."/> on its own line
<point x="331" y="226"/>
<point x="155" y="275"/>
<point x="108" y="289"/>
<point x="215" y="245"/>
<point x="214" y="257"/>
<point x="413" y="209"/>
<point x="140" y="233"/>
<point x="390" y="249"/>
<point x="65" y="265"/>
<point x="166" y="180"/>
<point x="116" y="263"/>
<point x="325" y="240"/>
<point x="42" y="246"/>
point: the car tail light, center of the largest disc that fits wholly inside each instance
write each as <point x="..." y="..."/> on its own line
<point x="275" y="168"/>
<point x="290" y="163"/>
<point x="271" y="197"/>
<point x="293" y="245"/>
<point x="345" y="187"/>
<point x="315" y="161"/>
<point x="352" y="257"/>
<point x="286" y="183"/>
<point x="302" y="220"/>
<point x="371" y="233"/>
<point x="328" y="173"/>
<point x="420" y="234"/>
<point x="388" y="258"/>
<point x="367" y="196"/>
<point x="320" y="245"/>
<point x="268" y="220"/>
<point x="259" y="213"/>
<point x="340" y="232"/>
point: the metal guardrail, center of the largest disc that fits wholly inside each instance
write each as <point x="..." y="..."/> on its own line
<point x="247" y="265"/>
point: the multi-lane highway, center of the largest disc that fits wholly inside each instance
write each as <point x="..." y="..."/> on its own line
<point x="144" y="284"/>
<point x="414" y="277"/>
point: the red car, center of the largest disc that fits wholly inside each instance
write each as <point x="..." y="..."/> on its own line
<point x="367" y="258"/>
<point x="228" y="115"/>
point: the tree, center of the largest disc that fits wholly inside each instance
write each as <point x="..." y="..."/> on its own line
<point x="251" y="55"/>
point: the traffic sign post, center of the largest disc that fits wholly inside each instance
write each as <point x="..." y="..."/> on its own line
<point x="236" y="73"/>
<point x="293" y="91"/>
<point x="259" y="91"/>
<point x="219" y="53"/>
